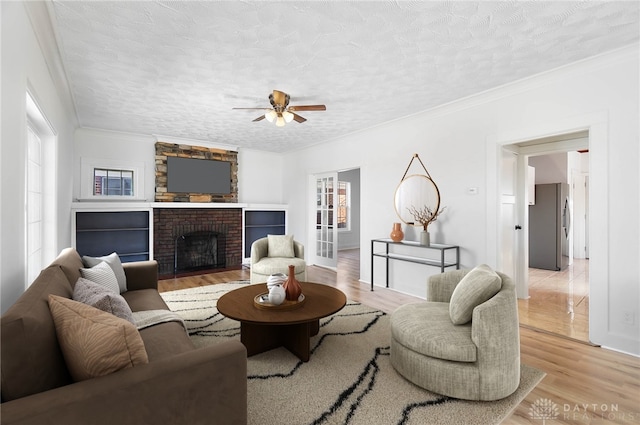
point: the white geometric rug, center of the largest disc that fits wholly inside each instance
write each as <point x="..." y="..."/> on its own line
<point x="348" y="380"/>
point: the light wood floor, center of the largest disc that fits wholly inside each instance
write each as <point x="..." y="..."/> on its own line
<point x="588" y="384"/>
<point x="558" y="301"/>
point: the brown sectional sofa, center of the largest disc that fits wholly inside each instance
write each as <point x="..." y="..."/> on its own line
<point x="179" y="385"/>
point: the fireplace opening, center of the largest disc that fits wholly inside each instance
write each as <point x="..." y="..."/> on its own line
<point x="199" y="250"/>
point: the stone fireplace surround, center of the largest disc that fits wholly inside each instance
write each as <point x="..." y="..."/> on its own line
<point x="164" y="150"/>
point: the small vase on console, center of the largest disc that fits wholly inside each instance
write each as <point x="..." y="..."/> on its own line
<point x="397" y="234"/>
<point x="292" y="287"/>
<point x="425" y="238"/>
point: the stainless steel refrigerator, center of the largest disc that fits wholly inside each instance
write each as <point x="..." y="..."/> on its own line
<point x="550" y="227"/>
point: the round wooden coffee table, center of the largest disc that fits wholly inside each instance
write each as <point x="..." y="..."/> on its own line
<point x="265" y="329"/>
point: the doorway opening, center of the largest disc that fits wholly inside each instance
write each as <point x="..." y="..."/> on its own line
<point x="335" y="219"/>
<point x="556" y="234"/>
<point x="349" y="231"/>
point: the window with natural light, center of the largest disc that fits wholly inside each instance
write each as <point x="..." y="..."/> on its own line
<point x="34" y="204"/>
<point x="39" y="196"/>
<point x="112" y="182"/>
<point x="344" y="206"/>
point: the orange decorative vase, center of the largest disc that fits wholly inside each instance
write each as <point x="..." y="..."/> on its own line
<point x="397" y="234"/>
<point x="292" y="288"/>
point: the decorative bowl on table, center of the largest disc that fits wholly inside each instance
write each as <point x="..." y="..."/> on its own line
<point x="261" y="301"/>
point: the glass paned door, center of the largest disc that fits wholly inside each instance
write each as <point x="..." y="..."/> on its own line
<point x="325" y="220"/>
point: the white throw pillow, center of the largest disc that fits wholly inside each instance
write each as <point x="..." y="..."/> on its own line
<point x="113" y="260"/>
<point x="102" y="274"/>
<point x="476" y="287"/>
<point x="280" y="246"/>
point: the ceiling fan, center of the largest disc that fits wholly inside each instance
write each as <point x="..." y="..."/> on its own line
<point x="280" y="111"/>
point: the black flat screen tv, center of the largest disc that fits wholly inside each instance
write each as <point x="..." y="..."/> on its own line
<point x="190" y="175"/>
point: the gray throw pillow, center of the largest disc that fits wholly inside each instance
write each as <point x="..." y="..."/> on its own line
<point x="476" y="287"/>
<point x="113" y="260"/>
<point x="90" y="293"/>
<point x="280" y="246"/>
<point x="102" y="274"/>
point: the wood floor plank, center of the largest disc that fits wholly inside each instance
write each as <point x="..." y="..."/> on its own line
<point x="588" y="384"/>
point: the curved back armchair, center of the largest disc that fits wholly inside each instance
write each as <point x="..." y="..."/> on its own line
<point x="265" y="262"/>
<point x="474" y="360"/>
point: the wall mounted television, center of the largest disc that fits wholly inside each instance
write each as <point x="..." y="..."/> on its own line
<point x="191" y="175"/>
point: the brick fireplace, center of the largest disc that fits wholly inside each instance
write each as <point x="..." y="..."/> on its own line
<point x="169" y="224"/>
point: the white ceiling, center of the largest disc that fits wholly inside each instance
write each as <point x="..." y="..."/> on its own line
<point x="176" y="68"/>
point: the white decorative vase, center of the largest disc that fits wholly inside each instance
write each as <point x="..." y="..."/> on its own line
<point x="276" y="294"/>
<point x="275" y="284"/>
<point x="276" y="279"/>
<point x="425" y="238"/>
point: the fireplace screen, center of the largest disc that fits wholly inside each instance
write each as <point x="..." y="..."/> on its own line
<point x="199" y="250"/>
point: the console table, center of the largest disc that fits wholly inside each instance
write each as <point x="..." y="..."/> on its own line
<point x="441" y="262"/>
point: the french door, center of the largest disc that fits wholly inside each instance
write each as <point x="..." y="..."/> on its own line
<point x="324" y="220"/>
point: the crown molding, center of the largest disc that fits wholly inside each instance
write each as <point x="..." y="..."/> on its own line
<point x="41" y="17"/>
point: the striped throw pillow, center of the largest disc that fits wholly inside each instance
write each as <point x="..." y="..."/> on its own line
<point x="113" y="260"/>
<point x="102" y="274"/>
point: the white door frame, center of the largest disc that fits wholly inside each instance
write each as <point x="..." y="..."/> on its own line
<point x="597" y="125"/>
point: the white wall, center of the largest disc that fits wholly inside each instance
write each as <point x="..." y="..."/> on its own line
<point x="24" y="67"/>
<point x="259" y="173"/>
<point x="260" y="177"/>
<point x="454" y="142"/>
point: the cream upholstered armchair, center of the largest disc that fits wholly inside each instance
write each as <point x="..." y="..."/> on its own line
<point x="274" y="254"/>
<point x="464" y="342"/>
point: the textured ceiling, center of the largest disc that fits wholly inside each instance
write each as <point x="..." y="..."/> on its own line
<point x="177" y="68"/>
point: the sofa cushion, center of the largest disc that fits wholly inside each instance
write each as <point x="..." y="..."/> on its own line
<point x="426" y="328"/>
<point x="474" y="288"/>
<point x="268" y="266"/>
<point x="90" y="293"/>
<point x="280" y="246"/>
<point x="113" y="260"/>
<point x="102" y="274"/>
<point x="165" y="340"/>
<point x="145" y="299"/>
<point x="32" y="361"/>
<point x="95" y="343"/>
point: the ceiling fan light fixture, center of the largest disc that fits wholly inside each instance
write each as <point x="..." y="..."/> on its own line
<point x="271" y="115"/>
<point x="280" y="113"/>
<point x="288" y="116"/>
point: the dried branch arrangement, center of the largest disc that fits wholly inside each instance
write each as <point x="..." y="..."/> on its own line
<point x="425" y="215"/>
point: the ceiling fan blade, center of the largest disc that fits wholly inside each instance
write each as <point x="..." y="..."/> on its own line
<point x="308" y="108"/>
<point x="261" y="117"/>
<point x="298" y="118"/>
